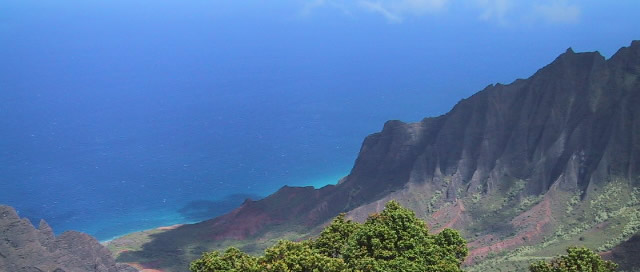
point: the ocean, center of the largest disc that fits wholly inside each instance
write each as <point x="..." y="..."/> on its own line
<point x="119" y="116"/>
<point x="115" y="162"/>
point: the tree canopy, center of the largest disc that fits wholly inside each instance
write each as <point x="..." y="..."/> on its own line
<point x="393" y="240"/>
<point x="578" y="259"/>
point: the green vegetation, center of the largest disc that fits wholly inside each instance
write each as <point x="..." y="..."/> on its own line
<point x="495" y="210"/>
<point x="578" y="259"/>
<point x="393" y="240"/>
<point x="431" y="207"/>
<point x="608" y="214"/>
<point x="232" y="260"/>
<point x="598" y="218"/>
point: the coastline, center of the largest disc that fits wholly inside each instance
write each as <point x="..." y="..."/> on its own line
<point x="136" y="240"/>
<point x="161" y="228"/>
<point x="316" y="182"/>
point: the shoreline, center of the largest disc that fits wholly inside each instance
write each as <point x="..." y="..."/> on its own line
<point x="161" y="228"/>
<point x="136" y="240"/>
<point x="316" y="183"/>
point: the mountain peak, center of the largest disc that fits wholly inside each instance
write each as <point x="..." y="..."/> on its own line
<point x="628" y="56"/>
<point x="569" y="51"/>
<point x="43" y="226"/>
<point x="45" y="235"/>
<point x="570" y="62"/>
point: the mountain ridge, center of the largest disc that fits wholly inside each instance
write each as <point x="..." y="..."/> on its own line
<point x="503" y="165"/>
<point x="26" y="249"/>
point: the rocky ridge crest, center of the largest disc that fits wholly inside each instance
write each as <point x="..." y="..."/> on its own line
<point x="26" y="249"/>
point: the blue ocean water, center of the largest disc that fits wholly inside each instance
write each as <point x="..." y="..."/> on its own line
<point x="110" y="163"/>
<point x="117" y="116"/>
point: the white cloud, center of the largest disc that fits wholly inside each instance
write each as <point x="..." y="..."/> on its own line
<point x="509" y="12"/>
<point x="310" y="6"/>
<point x="377" y="7"/>
<point x="495" y="10"/>
<point x="396" y="10"/>
<point x="419" y="7"/>
<point x="502" y="12"/>
<point x="557" y="12"/>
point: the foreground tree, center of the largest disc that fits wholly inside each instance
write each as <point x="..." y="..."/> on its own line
<point x="232" y="260"/>
<point x="578" y="259"/>
<point x="287" y="256"/>
<point x="393" y="240"/>
<point x="396" y="240"/>
<point x="333" y="239"/>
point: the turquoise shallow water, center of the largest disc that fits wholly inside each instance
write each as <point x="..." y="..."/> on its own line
<point x="106" y="221"/>
<point x="195" y="212"/>
<point x="191" y="212"/>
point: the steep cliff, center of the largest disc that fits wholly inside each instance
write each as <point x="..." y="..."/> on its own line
<point x="535" y="165"/>
<point x="26" y="249"/>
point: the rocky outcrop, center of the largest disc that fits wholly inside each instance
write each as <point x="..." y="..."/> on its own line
<point x="26" y="249"/>
<point x="570" y="127"/>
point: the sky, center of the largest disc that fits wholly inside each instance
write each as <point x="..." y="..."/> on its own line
<point x="131" y="109"/>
